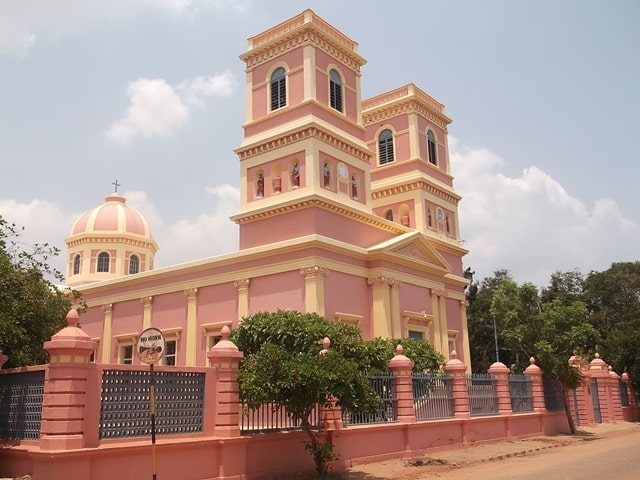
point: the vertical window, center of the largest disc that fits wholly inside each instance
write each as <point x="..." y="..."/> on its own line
<point x="103" y="262"/>
<point x="134" y="264"/>
<point x="416" y="335"/>
<point x="431" y="147"/>
<point x="385" y="146"/>
<point x="76" y="265"/>
<point x="389" y="215"/>
<point x="126" y="354"/>
<point x="335" y="90"/>
<point x="170" y="352"/>
<point x="278" y="88"/>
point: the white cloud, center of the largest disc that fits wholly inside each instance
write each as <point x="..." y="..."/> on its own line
<point x="530" y="224"/>
<point x="156" y="109"/>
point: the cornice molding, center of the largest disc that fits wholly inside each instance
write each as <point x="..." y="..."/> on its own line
<point x="106" y="238"/>
<point x="289" y="138"/>
<point x="402" y="107"/>
<point x="418" y="184"/>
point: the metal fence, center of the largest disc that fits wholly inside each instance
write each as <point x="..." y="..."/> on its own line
<point x="125" y="403"/>
<point x="21" y="405"/>
<point x="624" y="393"/>
<point x="432" y="396"/>
<point x="483" y="394"/>
<point x="385" y="387"/>
<point x="268" y="417"/>
<point x="552" y="395"/>
<point x="521" y="393"/>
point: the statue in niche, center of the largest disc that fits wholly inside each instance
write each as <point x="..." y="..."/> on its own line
<point x="260" y="192"/>
<point x="295" y="175"/>
<point x="354" y="187"/>
<point x="326" y="173"/>
<point x="429" y="219"/>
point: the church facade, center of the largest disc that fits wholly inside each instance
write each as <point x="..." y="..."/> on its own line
<point x="347" y="209"/>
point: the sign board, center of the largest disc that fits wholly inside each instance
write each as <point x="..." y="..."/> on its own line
<point x="150" y="346"/>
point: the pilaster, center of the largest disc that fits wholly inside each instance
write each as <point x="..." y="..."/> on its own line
<point x="396" y="321"/>
<point x="146" y="311"/>
<point x="381" y="307"/>
<point x="243" y="297"/>
<point x="314" y="288"/>
<point x="107" y="338"/>
<point x="192" y="326"/>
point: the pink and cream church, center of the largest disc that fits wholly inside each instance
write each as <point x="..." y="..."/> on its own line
<point x="347" y="209"/>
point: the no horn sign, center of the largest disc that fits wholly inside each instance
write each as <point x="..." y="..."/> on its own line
<point x="150" y="346"/>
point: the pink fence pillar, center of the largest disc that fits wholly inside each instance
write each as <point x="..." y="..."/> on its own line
<point x="625" y="377"/>
<point x="402" y="366"/>
<point x="501" y="373"/>
<point x="600" y="371"/>
<point x="615" y="395"/>
<point x="458" y="372"/>
<point x="65" y="390"/>
<point x="537" y="388"/>
<point x="225" y="357"/>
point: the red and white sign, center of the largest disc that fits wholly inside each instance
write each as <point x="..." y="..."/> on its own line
<point x="150" y="346"/>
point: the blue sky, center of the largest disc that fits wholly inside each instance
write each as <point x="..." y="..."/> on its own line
<point x="543" y="96"/>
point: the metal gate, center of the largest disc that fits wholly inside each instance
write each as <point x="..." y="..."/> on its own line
<point x="597" y="416"/>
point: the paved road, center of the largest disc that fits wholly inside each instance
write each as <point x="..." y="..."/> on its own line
<point x="614" y="456"/>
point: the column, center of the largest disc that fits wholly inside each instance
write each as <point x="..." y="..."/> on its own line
<point x="537" y="388"/>
<point x="243" y="298"/>
<point x="501" y="372"/>
<point x="314" y="288"/>
<point x="381" y="307"/>
<point x="146" y="312"/>
<point x="466" y="349"/>
<point x="192" y="326"/>
<point x="439" y="323"/>
<point x="402" y="366"/>
<point x="65" y="389"/>
<point x="107" y="338"/>
<point x="396" y="322"/>
<point x="458" y="372"/>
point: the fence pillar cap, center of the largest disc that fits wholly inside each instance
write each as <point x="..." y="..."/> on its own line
<point x="498" y="367"/>
<point x="400" y="361"/>
<point x="625" y="376"/>
<point x="613" y="374"/>
<point x="533" y="369"/>
<point x="225" y="347"/>
<point x="454" y="363"/>
<point x="71" y="337"/>
<point x="597" y="363"/>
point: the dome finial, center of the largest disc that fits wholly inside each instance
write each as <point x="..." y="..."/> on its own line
<point x="116" y="185"/>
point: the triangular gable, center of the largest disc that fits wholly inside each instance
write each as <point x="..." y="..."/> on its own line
<point x="412" y="246"/>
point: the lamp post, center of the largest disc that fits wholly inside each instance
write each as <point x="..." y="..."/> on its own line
<point x="495" y="338"/>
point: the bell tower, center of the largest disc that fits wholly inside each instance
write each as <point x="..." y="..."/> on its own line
<point x="304" y="154"/>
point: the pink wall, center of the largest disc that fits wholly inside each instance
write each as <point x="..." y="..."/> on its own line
<point x="280" y="291"/>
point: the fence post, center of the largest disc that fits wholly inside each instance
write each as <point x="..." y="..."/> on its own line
<point x="501" y="372"/>
<point x="537" y="388"/>
<point x="630" y="392"/>
<point x="458" y="372"/>
<point x="402" y="366"/>
<point x="65" y="388"/>
<point x="614" y="385"/>
<point x="330" y="412"/>
<point x="225" y="357"/>
<point x="599" y="370"/>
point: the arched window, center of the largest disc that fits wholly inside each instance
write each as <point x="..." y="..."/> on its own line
<point x="134" y="264"/>
<point x="431" y="147"/>
<point x="335" y="90"/>
<point x="385" y="146"/>
<point x="76" y="264"/>
<point x="103" y="262"/>
<point x="278" y="88"/>
<point x="389" y="215"/>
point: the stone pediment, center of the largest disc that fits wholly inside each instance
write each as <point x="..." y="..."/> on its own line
<point x="415" y="248"/>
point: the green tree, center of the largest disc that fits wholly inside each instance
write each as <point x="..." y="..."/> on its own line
<point x="551" y="332"/>
<point x="613" y="301"/>
<point x="32" y="307"/>
<point x="283" y="366"/>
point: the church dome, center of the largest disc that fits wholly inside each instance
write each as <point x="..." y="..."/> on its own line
<point x="109" y="241"/>
<point x="113" y="216"/>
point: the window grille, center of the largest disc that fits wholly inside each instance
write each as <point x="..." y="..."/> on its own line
<point x="385" y="147"/>
<point x="21" y="405"/>
<point x="134" y="264"/>
<point x="103" y="262"/>
<point x="278" y="88"/>
<point x="431" y="147"/>
<point x="76" y="265"/>
<point x="335" y="90"/>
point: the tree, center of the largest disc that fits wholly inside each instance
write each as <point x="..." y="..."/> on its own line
<point x="551" y="332"/>
<point x="283" y="366"/>
<point x="32" y="307"/>
<point x="613" y="301"/>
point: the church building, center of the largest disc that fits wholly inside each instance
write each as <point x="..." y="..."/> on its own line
<point x="347" y="209"/>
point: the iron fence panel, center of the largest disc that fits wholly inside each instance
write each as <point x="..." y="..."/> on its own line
<point x="268" y="417"/>
<point x="624" y="393"/>
<point x="521" y="393"/>
<point x="125" y="403"/>
<point x="552" y="395"/>
<point x="432" y="396"/>
<point x="483" y="394"/>
<point x="21" y="405"/>
<point x="385" y="387"/>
